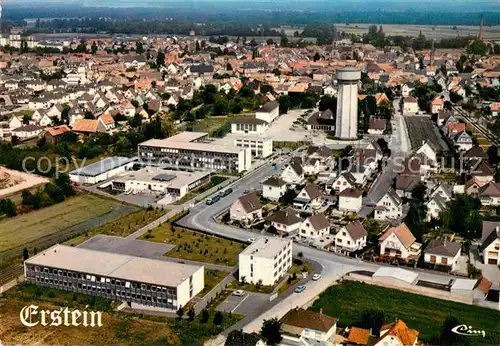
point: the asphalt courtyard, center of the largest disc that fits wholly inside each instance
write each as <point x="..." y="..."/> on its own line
<point x="245" y="304"/>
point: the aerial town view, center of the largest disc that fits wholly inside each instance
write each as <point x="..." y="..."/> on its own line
<point x="225" y="172"/>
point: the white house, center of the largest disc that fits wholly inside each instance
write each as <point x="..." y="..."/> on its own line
<point x="406" y="89"/>
<point x="350" y="238"/>
<point x="491" y="243"/>
<point x="273" y="188"/>
<point x="265" y="261"/>
<point x="350" y="200"/>
<point x="390" y="206"/>
<point x="399" y="242"/>
<point x="410" y="105"/>
<point x="442" y="252"/>
<point x="314" y="228"/>
<point x="397" y="334"/>
<point x="27" y="131"/>
<point x="311" y="166"/>
<point x="246" y="209"/>
<point x="463" y="141"/>
<point x="489" y="194"/>
<point x="344" y="181"/>
<point x="287" y="222"/>
<point x="309" y="196"/>
<point x="293" y="172"/>
<point x="268" y="111"/>
<point x="435" y="206"/>
<point x="304" y="328"/>
<point x="330" y="90"/>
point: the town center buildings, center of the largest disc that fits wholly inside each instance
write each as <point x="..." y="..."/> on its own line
<point x="136" y="280"/>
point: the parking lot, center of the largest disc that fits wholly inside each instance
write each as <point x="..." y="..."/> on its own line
<point x="245" y="304"/>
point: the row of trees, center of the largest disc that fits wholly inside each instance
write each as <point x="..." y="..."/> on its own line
<point x="51" y="193"/>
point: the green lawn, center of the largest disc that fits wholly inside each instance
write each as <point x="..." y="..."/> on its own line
<point x="196" y="246"/>
<point x="25" y="228"/>
<point x="348" y="300"/>
<point x="122" y="227"/>
<point x="212" y="278"/>
<point x="236" y="285"/>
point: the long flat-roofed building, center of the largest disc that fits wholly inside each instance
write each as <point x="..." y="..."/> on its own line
<point x="102" y="170"/>
<point x="174" y="183"/>
<point x="265" y="261"/>
<point x="136" y="280"/>
<point x="192" y="150"/>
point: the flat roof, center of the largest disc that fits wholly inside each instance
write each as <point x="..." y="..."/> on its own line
<point x="102" y="166"/>
<point x="267" y="247"/>
<point x="464" y="284"/>
<point x="125" y="267"/>
<point x="187" y="136"/>
<point x="175" y="179"/>
<point x="396" y="273"/>
<point x="205" y="147"/>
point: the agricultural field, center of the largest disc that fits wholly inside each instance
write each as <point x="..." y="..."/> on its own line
<point x="196" y="246"/>
<point x="347" y="302"/>
<point x="118" y="328"/>
<point x="26" y="228"/>
<point x="122" y="227"/>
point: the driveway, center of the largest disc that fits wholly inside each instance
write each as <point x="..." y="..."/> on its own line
<point x="244" y="305"/>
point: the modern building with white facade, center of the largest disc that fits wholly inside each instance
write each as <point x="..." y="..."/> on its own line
<point x="268" y="111"/>
<point x="99" y="171"/>
<point x="173" y="183"/>
<point x="138" y="281"/>
<point x="193" y="150"/>
<point x="347" y="103"/>
<point x="265" y="261"/>
<point x="249" y="126"/>
<point x="259" y="146"/>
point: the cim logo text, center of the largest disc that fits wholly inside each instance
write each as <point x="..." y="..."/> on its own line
<point x="31" y="316"/>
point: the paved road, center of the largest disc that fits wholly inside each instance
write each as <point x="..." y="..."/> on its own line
<point x="399" y="143"/>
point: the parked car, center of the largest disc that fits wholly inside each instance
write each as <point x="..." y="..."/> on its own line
<point x="213" y="199"/>
<point x="251" y="240"/>
<point x="227" y="192"/>
<point x="238" y="293"/>
<point x="316" y="277"/>
<point x="300" y="289"/>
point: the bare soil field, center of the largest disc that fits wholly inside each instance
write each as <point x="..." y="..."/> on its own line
<point x="12" y="181"/>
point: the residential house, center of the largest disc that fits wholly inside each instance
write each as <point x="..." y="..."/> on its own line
<point x="489" y="194"/>
<point x="377" y="126"/>
<point x="483" y="173"/>
<point x="463" y="141"/>
<point x="437" y="105"/>
<point x="309" y="196"/>
<point x="314" y="228"/>
<point x="435" y="206"/>
<point x="442" y="252"/>
<point x="312" y="166"/>
<point x="304" y="328"/>
<point x="407" y="88"/>
<point x="344" y="181"/>
<point x="324" y="121"/>
<point x="240" y="338"/>
<point x="287" y="222"/>
<point x="410" y="105"/>
<point x="350" y="238"/>
<point x="330" y="90"/>
<point x="85" y="126"/>
<point x="359" y="337"/>
<point x="293" y="172"/>
<point x="491" y="242"/>
<point x="105" y="123"/>
<point x="273" y="188"/>
<point x="389" y="207"/>
<point x="45" y="121"/>
<point x="54" y="134"/>
<point x="397" y="334"/>
<point x="405" y="183"/>
<point x="350" y="200"/>
<point x="246" y="209"/>
<point x="27" y="131"/>
<point x="442" y="190"/>
<point x="399" y="242"/>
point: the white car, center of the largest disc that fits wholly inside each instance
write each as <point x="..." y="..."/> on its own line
<point x="316" y="277"/>
<point x="251" y="240"/>
<point x="238" y="293"/>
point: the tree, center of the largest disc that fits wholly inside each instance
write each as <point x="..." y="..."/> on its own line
<point x="271" y="331"/>
<point x="463" y="217"/>
<point x="160" y="59"/>
<point x="316" y="57"/>
<point x="447" y="336"/>
<point x="8" y="208"/>
<point x="269" y="41"/>
<point x="328" y="102"/>
<point x="180" y="312"/>
<point x="26" y="254"/>
<point x="93" y="48"/>
<point x="455" y="98"/>
<point x="197" y="47"/>
<point x="493" y="158"/>
<point x="218" y="318"/>
<point x="284" y="41"/>
<point x="191" y="314"/>
<point x="205" y="315"/>
<point x="26" y="119"/>
<point x="372" y="319"/>
<point x="448" y="106"/>
<point x="64" y="183"/>
<point x="138" y="47"/>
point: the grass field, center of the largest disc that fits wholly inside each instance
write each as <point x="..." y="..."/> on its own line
<point x="24" y="228"/>
<point x="122" y="227"/>
<point x="212" y="278"/>
<point x="118" y="328"/>
<point x="348" y="300"/>
<point x="196" y="246"/>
